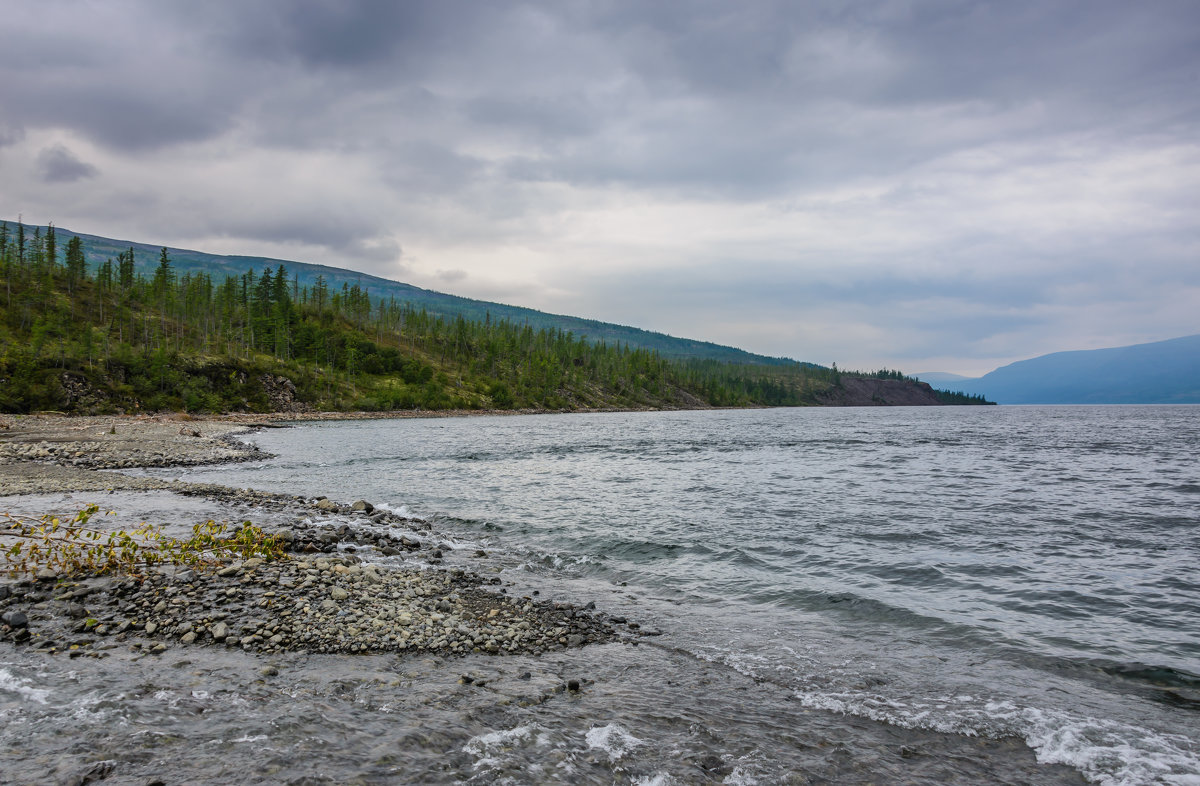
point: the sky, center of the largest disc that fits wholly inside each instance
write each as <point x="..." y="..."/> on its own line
<point x="927" y="186"/>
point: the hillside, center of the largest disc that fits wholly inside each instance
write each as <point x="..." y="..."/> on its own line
<point x="1161" y="372"/>
<point x="116" y="339"/>
<point x="98" y="249"/>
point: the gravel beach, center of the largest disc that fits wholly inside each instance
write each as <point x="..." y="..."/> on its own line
<point x="321" y="600"/>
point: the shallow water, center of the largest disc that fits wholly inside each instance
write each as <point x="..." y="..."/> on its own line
<point x="845" y="595"/>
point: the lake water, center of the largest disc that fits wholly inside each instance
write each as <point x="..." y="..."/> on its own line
<point x="843" y="594"/>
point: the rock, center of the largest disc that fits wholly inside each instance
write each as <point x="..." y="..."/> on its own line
<point x="188" y="637"/>
<point x="46" y="574"/>
<point x="15" y="619"/>
<point x="220" y="631"/>
<point x="362" y="506"/>
<point x="151" y="627"/>
<point x="94" y="772"/>
<point x="337" y="593"/>
<point x="158" y="649"/>
<point x="325" y="504"/>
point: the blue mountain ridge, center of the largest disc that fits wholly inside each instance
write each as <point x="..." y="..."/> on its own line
<point x="1159" y="372"/>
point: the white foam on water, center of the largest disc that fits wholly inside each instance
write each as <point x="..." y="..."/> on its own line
<point x="251" y="738"/>
<point x="398" y="510"/>
<point x="657" y="779"/>
<point x="1105" y="752"/>
<point x="11" y="683"/>
<point x="740" y="777"/>
<point x="612" y="739"/>
<point x="486" y="746"/>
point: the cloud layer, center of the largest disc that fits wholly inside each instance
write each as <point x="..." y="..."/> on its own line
<point x="917" y="184"/>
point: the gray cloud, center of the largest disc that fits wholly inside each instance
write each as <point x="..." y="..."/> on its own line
<point x="57" y="164"/>
<point x="979" y="172"/>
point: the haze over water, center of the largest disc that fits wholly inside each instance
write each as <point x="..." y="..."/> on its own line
<point x="1024" y="571"/>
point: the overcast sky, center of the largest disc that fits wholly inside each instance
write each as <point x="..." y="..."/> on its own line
<point x="930" y="186"/>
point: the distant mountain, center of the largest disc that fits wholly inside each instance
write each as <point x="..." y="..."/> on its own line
<point x="1161" y="372"/>
<point x="940" y="377"/>
<point x="98" y="249"/>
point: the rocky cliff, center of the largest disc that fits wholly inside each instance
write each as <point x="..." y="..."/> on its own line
<point x="873" y="392"/>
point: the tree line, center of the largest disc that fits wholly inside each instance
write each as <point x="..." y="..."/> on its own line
<point x="113" y="338"/>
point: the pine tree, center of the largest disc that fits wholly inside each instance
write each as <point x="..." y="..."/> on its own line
<point x="76" y="263"/>
<point x="125" y="270"/>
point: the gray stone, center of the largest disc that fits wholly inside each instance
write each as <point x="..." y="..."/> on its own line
<point x="325" y="504"/>
<point x="15" y="619"/>
<point x="363" y="506"/>
<point x="337" y="593"/>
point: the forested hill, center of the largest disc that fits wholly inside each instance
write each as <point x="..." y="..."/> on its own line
<point x="112" y="339"/>
<point x="98" y="249"/>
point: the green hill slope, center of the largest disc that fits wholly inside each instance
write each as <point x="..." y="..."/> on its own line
<point x="98" y="249"/>
<point x="182" y="335"/>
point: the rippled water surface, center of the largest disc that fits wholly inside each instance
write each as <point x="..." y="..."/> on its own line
<point x="972" y="575"/>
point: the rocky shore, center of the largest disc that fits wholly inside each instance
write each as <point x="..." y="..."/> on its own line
<point x="327" y="604"/>
<point x="322" y="599"/>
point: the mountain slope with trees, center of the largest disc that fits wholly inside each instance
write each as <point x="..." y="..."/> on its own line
<point x="97" y="249"/>
<point x="114" y="336"/>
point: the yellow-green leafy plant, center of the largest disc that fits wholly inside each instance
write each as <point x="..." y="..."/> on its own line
<point x="71" y="547"/>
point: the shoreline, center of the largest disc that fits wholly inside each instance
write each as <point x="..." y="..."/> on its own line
<point x="304" y="598"/>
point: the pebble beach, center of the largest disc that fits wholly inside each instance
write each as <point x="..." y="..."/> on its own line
<point x="319" y="600"/>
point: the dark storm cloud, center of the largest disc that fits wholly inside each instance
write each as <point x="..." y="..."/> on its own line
<point x="58" y="164"/>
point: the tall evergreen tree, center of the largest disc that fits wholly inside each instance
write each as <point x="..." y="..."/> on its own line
<point x="51" y="244"/>
<point x="125" y="269"/>
<point x="76" y="263"/>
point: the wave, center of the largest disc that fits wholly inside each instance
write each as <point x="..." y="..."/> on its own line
<point x="1104" y="751"/>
